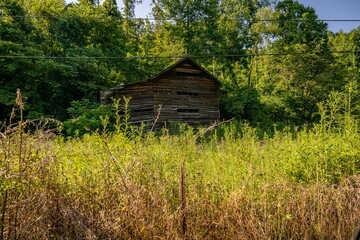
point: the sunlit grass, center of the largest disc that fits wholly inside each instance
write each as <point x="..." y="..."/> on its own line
<point x="301" y="184"/>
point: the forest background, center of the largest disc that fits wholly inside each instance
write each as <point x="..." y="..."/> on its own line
<point x="277" y="61"/>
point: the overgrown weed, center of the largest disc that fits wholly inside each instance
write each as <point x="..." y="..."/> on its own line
<point x="126" y="185"/>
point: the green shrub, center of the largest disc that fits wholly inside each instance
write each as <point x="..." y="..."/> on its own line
<point x="86" y="117"/>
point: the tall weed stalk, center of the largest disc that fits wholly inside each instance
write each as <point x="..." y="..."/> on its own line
<point x="302" y="185"/>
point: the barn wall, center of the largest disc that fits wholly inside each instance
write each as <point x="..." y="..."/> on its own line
<point x="141" y="100"/>
<point x="185" y="92"/>
<point x="187" y="95"/>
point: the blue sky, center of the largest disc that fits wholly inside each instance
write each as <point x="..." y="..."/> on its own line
<point x="336" y="9"/>
<point x="325" y="9"/>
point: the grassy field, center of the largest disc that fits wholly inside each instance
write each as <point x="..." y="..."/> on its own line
<point x="223" y="184"/>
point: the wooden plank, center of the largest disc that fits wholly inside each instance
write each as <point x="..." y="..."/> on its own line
<point x="187" y="91"/>
<point x="186" y="69"/>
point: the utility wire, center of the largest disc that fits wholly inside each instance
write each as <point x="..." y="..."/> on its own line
<point x="202" y="19"/>
<point x="164" y="57"/>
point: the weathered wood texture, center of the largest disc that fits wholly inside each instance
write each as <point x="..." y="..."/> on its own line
<point x="185" y="91"/>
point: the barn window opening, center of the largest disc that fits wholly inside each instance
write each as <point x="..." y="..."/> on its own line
<point x="188" y="74"/>
<point x="163" y="91"/>
<point x="187" y="93"/>
<point x="143" y="110"/>
<point x="187" y="110"/>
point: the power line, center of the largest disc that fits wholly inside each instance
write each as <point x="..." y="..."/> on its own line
<point x="184" y="19"/>
<point x="164" y="57"/>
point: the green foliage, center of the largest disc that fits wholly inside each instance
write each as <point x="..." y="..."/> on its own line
<point x="87" y="117"/>
<point x="77" y="34"/>
<point x="306" y="31"/>
<point x="71" y="52"/>
<point x="219" y="165"/>
<point x="242" y="103"/>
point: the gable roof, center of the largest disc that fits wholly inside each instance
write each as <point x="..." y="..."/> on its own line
<point x="180" y="62"/>
<point x="168" y="69"/>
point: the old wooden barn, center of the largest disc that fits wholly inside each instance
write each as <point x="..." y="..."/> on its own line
<point x="184" y="92"/>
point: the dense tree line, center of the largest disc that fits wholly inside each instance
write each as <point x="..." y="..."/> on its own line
<point x="277" y="61"/>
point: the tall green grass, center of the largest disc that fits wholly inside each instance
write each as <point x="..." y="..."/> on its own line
<point x="301" y="184"/>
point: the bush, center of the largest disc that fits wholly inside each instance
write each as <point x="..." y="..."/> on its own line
<point x="87" y="117"/>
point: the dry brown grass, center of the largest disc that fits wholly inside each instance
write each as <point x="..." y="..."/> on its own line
<point x="283" y="211"/>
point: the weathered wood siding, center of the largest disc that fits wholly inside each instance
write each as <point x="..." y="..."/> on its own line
<point x="187" y="94"/>
<point x="141" y="100"/>
<point x="185" y="91"/>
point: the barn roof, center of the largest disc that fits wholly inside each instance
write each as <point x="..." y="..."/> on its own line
<point x="168" y="69"/>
